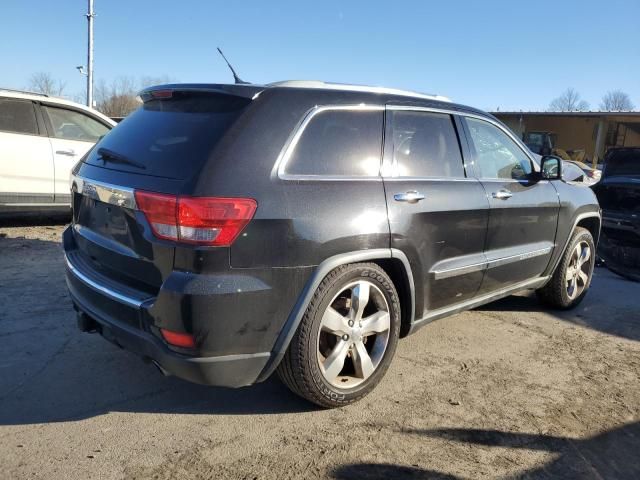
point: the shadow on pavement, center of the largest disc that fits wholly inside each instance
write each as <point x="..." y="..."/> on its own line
<point x="35" y="220"/>
<point x="611" y="455"/>
<point x="51" y="372"/>
<point x="386" y="471"/>
<point x="609" y="306"/>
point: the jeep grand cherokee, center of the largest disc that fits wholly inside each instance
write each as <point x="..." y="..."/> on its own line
<point x="227" y="232"/>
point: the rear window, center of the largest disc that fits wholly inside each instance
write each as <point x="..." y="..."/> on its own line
<point x="339" y="143"/>
<point x="171" y="137"/>
<point x="623" y="163"/>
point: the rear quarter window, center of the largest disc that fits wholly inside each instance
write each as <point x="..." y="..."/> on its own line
<point x="346" y="143"/>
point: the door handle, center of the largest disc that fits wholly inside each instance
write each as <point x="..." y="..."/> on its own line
<point x="410" y="197"/>
<point x="68" y="153"/>
<point x="502" y="194"/>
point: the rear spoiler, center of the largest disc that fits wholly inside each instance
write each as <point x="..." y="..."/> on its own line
<point x="244" y="91"/>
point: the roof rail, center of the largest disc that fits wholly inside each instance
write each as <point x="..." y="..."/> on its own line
<point x="12" y="90"/>
<point x="355" y="88"/>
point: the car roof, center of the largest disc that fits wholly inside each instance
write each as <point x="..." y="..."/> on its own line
<point x="360" y="93"/>
<point x="41" y="97"/>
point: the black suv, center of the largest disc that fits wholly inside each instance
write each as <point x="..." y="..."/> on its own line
<point x="226" y="232"/>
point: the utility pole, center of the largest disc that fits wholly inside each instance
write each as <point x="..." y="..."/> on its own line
<point x="90" y="16"/>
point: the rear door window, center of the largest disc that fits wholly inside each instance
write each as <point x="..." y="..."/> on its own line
<point x="18" y="116"/>
<point x="339" y="143"/>
<point x="425" y="145"/>
<point x="171" y="137"/>
<point x="72" y="125"/>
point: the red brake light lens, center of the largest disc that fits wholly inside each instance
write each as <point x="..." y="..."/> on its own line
<point x="177" y="339"/>
<point x="160" y="211"/>
<point x="162" y="93"/>
<point x="211" y="221"/>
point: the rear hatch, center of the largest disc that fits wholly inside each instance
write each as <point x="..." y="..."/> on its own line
<point x="161" y="148"/>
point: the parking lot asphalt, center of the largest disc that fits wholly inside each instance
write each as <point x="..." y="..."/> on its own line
<point x="510" y="390"/>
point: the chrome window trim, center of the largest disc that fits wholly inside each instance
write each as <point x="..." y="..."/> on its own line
<point x="113" y="295"/>
<point x="294" y="138"/>
<point x="470" y="115"/>
<point x="104" y="192"/>
<point x="430" y="179"/>
<point x="394" y="162"/>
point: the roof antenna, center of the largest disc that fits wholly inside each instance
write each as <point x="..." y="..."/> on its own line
<point x="236" y="78"/>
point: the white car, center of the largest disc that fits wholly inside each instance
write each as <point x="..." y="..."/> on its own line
<point x="41" y="139"/>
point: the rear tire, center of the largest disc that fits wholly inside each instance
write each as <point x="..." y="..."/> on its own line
<point x="346" y="339"/>
<point x="572" y="277"/>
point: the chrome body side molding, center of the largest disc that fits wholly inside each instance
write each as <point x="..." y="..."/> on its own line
<point x="444" y="271"/>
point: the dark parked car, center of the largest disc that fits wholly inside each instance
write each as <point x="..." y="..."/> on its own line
<point x="230" y="231"/>
<point x="619" y="196"/>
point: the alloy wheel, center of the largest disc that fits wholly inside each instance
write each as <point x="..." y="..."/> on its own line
<point x="578" y="270"/>
<point x="354" y="334"/>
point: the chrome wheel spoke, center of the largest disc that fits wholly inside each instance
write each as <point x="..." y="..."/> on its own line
<point x="377" y="323"/>
<point x="362" y="361"/>
<point x="334" y="363"/>
<point x="359" y="300"/>
<point x="569" y="274"/>
<point x="333" y="322"/>
<point x="583" y="277"/>
<point x="584" y="256"/>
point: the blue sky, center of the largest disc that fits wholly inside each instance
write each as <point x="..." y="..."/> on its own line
<point x="484" y="53"/>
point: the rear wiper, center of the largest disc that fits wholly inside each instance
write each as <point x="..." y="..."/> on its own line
<point x="106" y="154"/>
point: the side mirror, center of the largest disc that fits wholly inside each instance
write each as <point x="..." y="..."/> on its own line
<point x="551" y="168"/>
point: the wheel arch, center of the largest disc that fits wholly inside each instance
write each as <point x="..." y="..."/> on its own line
<point x="591" y="221"/>
<point x="394" y="262"/>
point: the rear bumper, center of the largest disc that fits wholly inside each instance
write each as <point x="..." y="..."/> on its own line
<point x="226" y="371"/>
<point x="122" y="317"/>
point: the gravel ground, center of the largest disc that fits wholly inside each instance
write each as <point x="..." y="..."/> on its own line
<point x="506" y="391"/>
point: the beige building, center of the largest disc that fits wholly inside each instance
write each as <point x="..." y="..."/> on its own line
<point x="593" y="132"/>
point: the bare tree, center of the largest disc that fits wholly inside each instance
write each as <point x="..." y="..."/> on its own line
<point x="569" y="101"/>
<point x="616" y="101"/>
<point x="118" y="99"/>
<point x="43" y="82"/>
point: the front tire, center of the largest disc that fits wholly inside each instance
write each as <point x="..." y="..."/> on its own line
<point x="572" y="278"/>
<point x="346" y="339"/>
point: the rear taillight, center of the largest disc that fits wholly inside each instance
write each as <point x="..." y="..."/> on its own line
<point x="211" y="221"/>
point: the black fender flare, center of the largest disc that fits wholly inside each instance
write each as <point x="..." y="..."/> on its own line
<point x="321" y="271"/>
